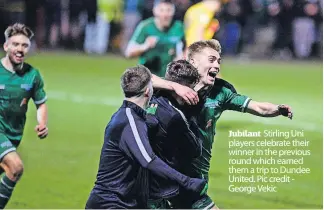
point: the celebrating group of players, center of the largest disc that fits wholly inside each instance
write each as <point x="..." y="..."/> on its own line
<point x="160" y="158"/>
<point x="157" y="146"/>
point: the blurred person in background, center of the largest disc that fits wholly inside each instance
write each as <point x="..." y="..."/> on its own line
<point x="199" y="21"/>
<point x="182" y="7"/>
<point x="132" y="17"/>
<point x="90" y="29"/>
<point x="53" y="21"/>
<point x="108" y="11"/>
<point x="158" y="40"/>
<point x="75" y="27"/>
<point x="2" y="22"/>
<point x="33" y="12"/>
<point x="263" y="27"/>
<point x="320" y="37"/>
<point x="304" y="26"/>
<point x="147" y="9"/>
<point x="283" y="34"/>
<point x="13" y="11"/>
<point x="233" y="20"/>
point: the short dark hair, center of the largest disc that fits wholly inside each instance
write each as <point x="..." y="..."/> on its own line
<point x="134" y="79"/>
<point x="17" y="29"/>
<point x="182" y="72"/>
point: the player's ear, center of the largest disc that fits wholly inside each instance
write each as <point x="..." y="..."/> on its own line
<point x="192" y="62"/>
<point x="155" y="12"/>
<point x="147" y="92"/>
<point x="5" y="46"/>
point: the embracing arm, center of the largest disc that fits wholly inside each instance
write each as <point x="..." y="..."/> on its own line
<point x="187" y="94"/>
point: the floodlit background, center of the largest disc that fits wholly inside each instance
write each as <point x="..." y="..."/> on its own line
<point x="260" y="58"/>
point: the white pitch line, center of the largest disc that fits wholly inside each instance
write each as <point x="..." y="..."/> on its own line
<point x="116" y="102"/>
<point x="79" y="98"/>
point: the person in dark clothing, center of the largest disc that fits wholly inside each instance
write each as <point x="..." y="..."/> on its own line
<point x="90" y="29"/>
<point x="127" y="158"/>
<point x="307" y="15"/>
<point x="283" y="38"/>
<point x="172" y="139"/>
<point x="53" y="21"/>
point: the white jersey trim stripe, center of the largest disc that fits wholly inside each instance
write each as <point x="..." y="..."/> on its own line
<point x="136" y="135"/>
<point x="41" y="101"/>
<point x="209" y="206"/>
<point x="245" y="104"/>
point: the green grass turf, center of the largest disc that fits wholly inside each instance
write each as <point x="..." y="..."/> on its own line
<point x="84" y="91"/>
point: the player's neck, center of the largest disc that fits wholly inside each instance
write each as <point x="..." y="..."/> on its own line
<point x="201" y="86"/>
<point x="9" y="65"/>
<point x="158" y="25"/>
<point x="139" y="101"/>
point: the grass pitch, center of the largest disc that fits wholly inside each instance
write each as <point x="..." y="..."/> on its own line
<point x="84" y="92"/>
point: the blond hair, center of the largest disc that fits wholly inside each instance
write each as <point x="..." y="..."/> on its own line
<point x="199" y="46"/>
<point x="17" y="29"/>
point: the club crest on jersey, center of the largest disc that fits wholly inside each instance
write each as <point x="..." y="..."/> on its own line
<point x="209" y="123"/>
<point x="5" y="144"/>
<point x="152" y="109"/>
<point x="212" y="104"/>
<point x="26" y="86"/>
<point x="24" y="102"/>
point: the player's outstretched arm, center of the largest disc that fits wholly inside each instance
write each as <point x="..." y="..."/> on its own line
<point x="187" y="94"/>
<point x="266" y="109"/>
<point x="42" y="118"/>
<point x="135" y="142"/>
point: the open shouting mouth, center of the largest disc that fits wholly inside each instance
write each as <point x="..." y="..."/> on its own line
<point x="212" y="73"/>
<point x="19" y="57"/>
